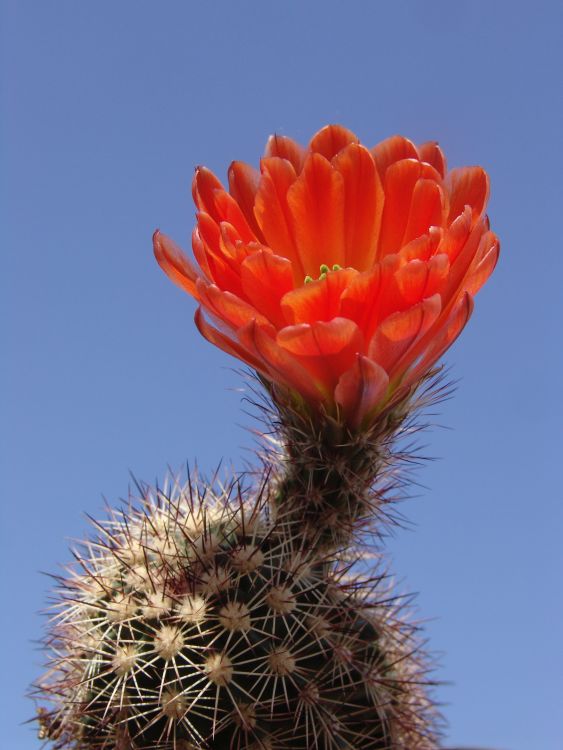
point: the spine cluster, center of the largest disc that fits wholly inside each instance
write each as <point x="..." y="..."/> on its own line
<point x="336" y="486"/>
<point x="236" y="619"/>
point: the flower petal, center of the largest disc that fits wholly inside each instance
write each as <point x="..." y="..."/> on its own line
<point x="400" y="331"/>
<point x="400" y="180"/>
<point x="419" y="279"/>
<point x="175" y="263"/>
<point x="331" y="139"/>
<point x="484" y="268"/>
<point x="318" y="338"/>
<point x="200" y="253"/>
<point x="234" y="250"/>
<point x="265" y="279"/>
<point x="279" y="365"/>
<point x="286" y="148"/>
<point x="318" y="300"/>
<point x="326" y="349"/>
<point x="226" y="343"/>
<point x="360" y="389"/>
<point x="212" y="199"/>
<point x="223" y="269"/>
<point x="423" y="247"/>
<point x="363" y="205"/>
<point x="243" y="185"/>
<point x="230" y="212"/>
<point x="411" y="280"/>
<point x="391" y="150"/>
<point x="438" y="270"/>
<point x="456" y="235"/>
<point x="462" y="265"/>
<point x="273" y="214"/>
<point x="210" y="234"/>
<point x="435" y="345"/>
<point x="204" y="186"/>
<point x="372" y="296"/>
<point x="467" y="186"/>
<point x="426" y="209"/>
<point x="432" y="154"/>
<point x="229" y="308"/>
<point x="316" y="203"/>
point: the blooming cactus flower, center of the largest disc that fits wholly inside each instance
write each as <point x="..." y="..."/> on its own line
<point x="340" y="272"/>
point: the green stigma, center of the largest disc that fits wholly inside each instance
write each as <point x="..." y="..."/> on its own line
<point x="324" y="270"/>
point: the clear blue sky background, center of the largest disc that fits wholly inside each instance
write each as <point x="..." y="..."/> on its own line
<point x="106" y="109"/>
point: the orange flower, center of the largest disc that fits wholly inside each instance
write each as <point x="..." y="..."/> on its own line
<point x="338" y="271"/>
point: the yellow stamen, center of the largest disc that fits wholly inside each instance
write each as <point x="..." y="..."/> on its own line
<point x="324" y="270"/>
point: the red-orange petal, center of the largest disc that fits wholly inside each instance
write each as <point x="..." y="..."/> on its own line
<point x="224" y="342"/>
<point x="265" y="279"/>
<point x="286" y="148"/>
<point x="400" y="180"/>
<point x="210" y="234"/>
<point x="223" y="270"/>
<point x="234" y="249"/>
<point x="318" y="338"/>
<point x="331" y="139"/>
<point x="243" y="185"/>
<point x="432" y="154"/>
<point x="316" y="203"/>
<point x="229" y="210"/>
<point x="391" y="298"/>
<point x="419" y="279"/>
<point x="326" y="349"/>
<point x="229" y="308"/>
<point x="374" y="295"/>
<point x="360" y="389"/>
<point x="400" y="331"/>
<point x="175" y="263"/>
<point x="362" y="297"/>
<point x="426" y="209"/>
<point x="204" y="186"/>
<point x="211" y="198"/>
<point x="279" y="365"/>
<point x="438" y="270"/>
<point x="423" y="247"/>
<point x="273" y="214"/>
<point x="461" y="267"/>
<point x="467" y="186"/>
<point x="391" y="150"/>
<point x="318" y="300"/>
<point x="200" y="253"/>
<point x="363" y="205"/>
<point x="411" y="280"/>
<point x="429" y="352"/>
<point x="456" y="235"/>
<point x="484" y="268"/>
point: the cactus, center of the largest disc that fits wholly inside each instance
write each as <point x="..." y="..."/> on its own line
<point x="211" y="618"/>
<point x="193" y="620"/>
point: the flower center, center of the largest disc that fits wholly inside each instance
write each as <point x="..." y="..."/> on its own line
<point x="324" y="271"/>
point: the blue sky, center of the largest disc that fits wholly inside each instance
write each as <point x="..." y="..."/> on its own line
<point x="106" y="109"/>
